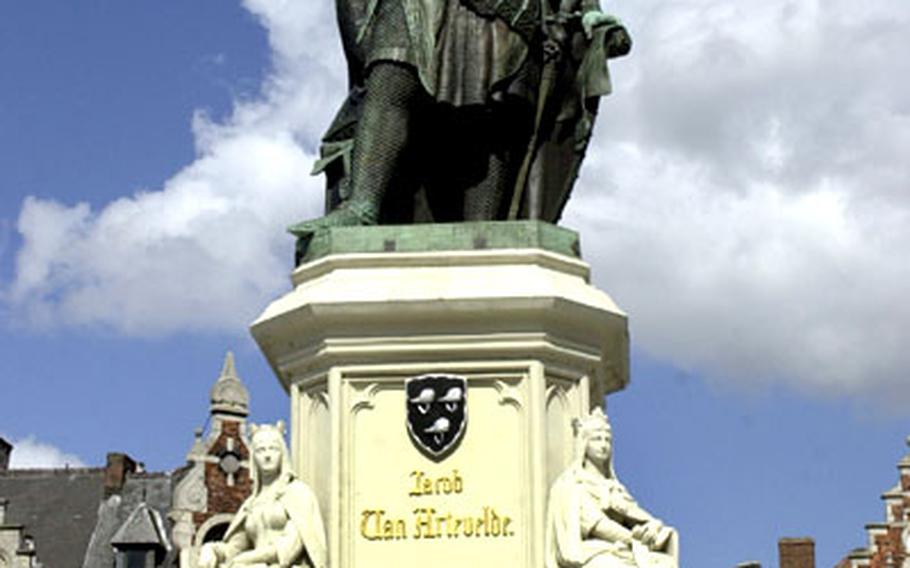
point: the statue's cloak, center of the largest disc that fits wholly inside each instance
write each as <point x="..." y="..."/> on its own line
<point x="467" y="52"/>
<point x="569" y="521"/>
<point x="565" y="544"/>
<point x="456" y="45"/>
<point x="302" y="509"/>
<point x="572" y="106"/>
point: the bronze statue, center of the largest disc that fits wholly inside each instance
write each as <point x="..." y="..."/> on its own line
<point x="463" y="110"/>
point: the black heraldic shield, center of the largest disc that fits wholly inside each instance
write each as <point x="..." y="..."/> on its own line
<point x="437" y="412"/>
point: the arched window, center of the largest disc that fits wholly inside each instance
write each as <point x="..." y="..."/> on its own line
<point x="215" y="533"/>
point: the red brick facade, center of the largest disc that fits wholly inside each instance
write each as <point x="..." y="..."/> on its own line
<point x="887" y="541"/>
<point x="217" y="480"/>
<point x="224" y="497"/>
<point x="796" y="552"/>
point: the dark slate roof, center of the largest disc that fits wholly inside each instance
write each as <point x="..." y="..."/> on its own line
<point x="116" y="512"/>
<point x="58" y="507"/>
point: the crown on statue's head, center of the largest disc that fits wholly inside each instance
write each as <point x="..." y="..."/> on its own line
<point x="596" y="421"/>
<point x="278" y="427"/>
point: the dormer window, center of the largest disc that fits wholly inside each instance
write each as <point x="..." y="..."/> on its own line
<point x="141" y="542"/>
<point x="136" y="558"/>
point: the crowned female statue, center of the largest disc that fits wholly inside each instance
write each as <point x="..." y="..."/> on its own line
<point x="279" y="525"/>
<point x="593" y="521"/>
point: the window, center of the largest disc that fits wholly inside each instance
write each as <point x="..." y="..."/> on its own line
<point x="134" y="559"/>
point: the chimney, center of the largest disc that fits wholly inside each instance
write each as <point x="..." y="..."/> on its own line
<point x="5" y="450"/>
<point x="119" y="466"/>
<point x="796" y="552"/>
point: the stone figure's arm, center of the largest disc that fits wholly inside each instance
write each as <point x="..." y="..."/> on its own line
<point x="209" y="556"/>
<point x="213" y="554"/>
<point x="235" y="545"/>
<point x="611" y="531"/>
<point x="261" y="555"/>
<point x="289" y="547"/>
<point x="645" y="528"/>
<point x="593" y="19"/>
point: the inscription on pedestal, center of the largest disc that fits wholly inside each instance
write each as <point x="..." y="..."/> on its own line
<point x="446" y="518"/>
<point x="408" y="505"/>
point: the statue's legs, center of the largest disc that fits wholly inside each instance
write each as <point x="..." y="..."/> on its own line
<point x="483" y="201"/>
<point x="393" y="92"/>
<point x="503" y="135"/>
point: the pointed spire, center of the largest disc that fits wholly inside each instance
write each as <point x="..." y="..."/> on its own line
<point x="904" y="464"/>
<point x="228" y="395"/>
<point x="228" y="369"/>
<point x="197" y="452"/>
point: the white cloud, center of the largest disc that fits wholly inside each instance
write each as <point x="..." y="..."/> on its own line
<point x="750" y="208"/>
<point x="207" y="250"/>
<point x="31" y="453"/>
<point x="745" y="199"/>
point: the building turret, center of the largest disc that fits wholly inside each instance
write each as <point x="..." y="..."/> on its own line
<point x="228" y="395"/>
<point x="217" y="478"/>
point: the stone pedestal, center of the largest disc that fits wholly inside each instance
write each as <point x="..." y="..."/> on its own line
<point x="536" y="343"/>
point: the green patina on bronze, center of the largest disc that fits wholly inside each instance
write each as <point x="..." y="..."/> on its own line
<point x="441" y="237"/>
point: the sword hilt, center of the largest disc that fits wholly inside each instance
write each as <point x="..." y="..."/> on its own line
<point x="562" y="18"/>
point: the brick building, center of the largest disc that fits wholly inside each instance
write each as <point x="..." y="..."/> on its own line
<point x="120" y="516"/>
<point x="216" y="480"/>
<point x="888" y="542"/>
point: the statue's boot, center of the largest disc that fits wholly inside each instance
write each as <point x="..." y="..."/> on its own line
<point x="348" y="214"/>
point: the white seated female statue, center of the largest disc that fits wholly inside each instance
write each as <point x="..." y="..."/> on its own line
<point x="279" y="525"/>
<point x="593" y="521"/>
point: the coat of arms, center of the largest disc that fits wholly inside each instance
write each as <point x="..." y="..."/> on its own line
<point x="437" y="412"/>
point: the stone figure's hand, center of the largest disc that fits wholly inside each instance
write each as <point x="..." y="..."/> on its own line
<point x="648" y="532"/>
<point x="244" y="559"/>
<point x="595" y="19"/>
<point x="208" y="556"/>
<point x="662" y="540"/>
<point x="261" y="557"/>
<point x="241" y="564"/>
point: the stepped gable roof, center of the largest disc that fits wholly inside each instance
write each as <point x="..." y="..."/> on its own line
<point x="58" y="507"/>
<point x="886" y="539"/>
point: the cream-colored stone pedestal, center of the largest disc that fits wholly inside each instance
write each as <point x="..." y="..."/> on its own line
<point x="538" y="346"/>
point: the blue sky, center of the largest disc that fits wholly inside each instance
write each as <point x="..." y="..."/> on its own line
<point x="745" y="201"/>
